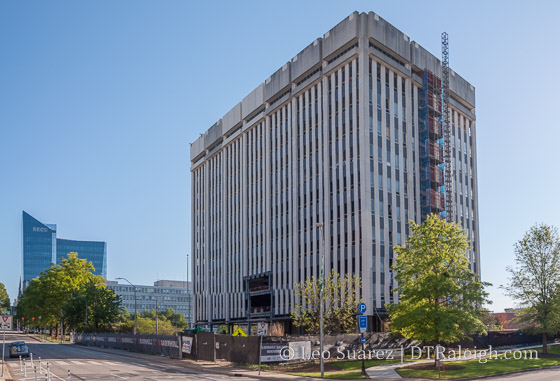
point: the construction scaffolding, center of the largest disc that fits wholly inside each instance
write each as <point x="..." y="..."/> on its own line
<point x="431" y="133"/>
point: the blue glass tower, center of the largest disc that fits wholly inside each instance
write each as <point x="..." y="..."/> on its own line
<point x="94" y="252"/>
<point x="41" y="248"/>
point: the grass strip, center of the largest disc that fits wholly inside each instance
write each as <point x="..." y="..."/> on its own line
<point x="473" y="368"/>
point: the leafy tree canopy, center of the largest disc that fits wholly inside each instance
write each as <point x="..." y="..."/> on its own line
<point x="4" y="298"/>
<point x="46" y="295"/>
<point x="103" y="308"/>
<point x="535" y="280"/>
<point x="439" y="296"/>
<point x="340" y="303"/>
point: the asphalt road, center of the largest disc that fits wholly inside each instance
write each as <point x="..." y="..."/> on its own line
<point x="86" y="363"/>
<point x="90" y="364"/>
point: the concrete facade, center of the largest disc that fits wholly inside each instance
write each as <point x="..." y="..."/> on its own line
<point x="333" y="136"/>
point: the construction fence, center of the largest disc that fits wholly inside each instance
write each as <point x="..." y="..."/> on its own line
<point x="167" y="345"/>
<point x="207" y="346"/>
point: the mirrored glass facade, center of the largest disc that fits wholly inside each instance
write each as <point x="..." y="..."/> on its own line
<point x="40" y="248"/>
<point x="94" y="252"/>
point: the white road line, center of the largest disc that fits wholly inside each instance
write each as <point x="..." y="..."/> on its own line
<point x="123" y="378"/>
<point x="52" y="374"/>
<point x="60" y="362"/>
<point x="94" y="362"/>
<point x="77" y="362"/>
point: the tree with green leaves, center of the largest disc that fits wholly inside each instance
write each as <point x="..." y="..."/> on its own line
<point x="341" y="299"/>
<point x="535" y="280"/>
<point x="490" y="321"/>
<point x="103" y="308"/>
<point x="147" y="326"/>
<point x="176" y="319"/>
<point x="169" y="322"/>
<point x="439" y="296"/>
<point x="4" y="298"/>
<point x="46" y="295"/>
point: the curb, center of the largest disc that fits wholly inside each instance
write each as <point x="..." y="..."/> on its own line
<point x="507" y="373"/>
<point x="521" y="371"/>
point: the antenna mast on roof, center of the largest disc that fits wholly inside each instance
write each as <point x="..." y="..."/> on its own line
<point x="446" y="128"/>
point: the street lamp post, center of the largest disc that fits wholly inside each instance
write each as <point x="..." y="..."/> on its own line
<point x="157" y="317"/>
<point x="321" y="298"/>
<point x="188" y="274"/>
<point x="135" y="311"/>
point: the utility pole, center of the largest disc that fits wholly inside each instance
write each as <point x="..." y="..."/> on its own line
<point x="157" y="316"/>
<point x="85" y="326"/>
<point x="3" y="347"/>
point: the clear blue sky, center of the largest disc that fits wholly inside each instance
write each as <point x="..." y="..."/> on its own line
<point x="99" y="101"/>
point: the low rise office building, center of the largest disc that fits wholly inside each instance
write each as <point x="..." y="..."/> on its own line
<point x="165" y="293"/>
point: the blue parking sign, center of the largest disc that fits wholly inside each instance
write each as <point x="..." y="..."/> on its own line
<point x="362" y="322"/>
<point x="362" y="308"/>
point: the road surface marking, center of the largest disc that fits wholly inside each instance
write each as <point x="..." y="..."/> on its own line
<point x="123" y="378"/>
<point x="60" y="362"/>
<point x="54" y="375"/>
<point x="94" y="363"/>
<point x="77" y="362"/>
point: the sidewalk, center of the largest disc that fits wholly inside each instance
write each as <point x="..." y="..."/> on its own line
<point x="7" y="375"/>
<point x="389" y="371"/>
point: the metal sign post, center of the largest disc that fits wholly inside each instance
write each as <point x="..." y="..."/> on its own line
<point x="260" y="350"/>
<point x="262" y="330"/>
<point x="5" y="323"/>
<point x="3" y="345"/>
<point x="362" y="323"/>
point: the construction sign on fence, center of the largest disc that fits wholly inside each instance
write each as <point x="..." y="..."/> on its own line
<point x="239" y="332"/>
<point x="262" y="329"/>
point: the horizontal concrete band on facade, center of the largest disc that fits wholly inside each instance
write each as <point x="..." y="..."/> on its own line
<point x="385" y="42"/>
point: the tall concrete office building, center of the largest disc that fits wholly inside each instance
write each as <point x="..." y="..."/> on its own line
<point x="347" y="133"/>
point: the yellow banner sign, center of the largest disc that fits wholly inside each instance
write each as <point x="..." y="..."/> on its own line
<point x="239" y="332"/>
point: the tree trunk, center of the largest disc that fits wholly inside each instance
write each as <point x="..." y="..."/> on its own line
<point x="544" y="343"/>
